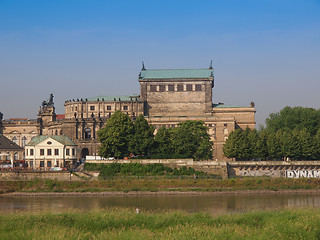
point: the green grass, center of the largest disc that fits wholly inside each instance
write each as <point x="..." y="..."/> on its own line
<point x="161" y="183"/>
<point x="119" y="223"/>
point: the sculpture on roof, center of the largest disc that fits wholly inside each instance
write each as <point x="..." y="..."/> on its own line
<point x="48" y="103"/>
<point x="210" y="66"/>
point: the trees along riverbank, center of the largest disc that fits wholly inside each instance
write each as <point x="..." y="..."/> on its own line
<point x="122" y="223"/>
<point x="293" y="133"/>
<point x="122" y="138"/>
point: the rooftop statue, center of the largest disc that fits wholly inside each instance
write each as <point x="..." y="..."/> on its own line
<point x="48" y="103"/>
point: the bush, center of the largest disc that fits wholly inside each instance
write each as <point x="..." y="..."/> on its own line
<point x="137" y="169"/>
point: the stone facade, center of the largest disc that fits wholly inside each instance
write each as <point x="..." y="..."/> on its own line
<point x="167" y="97"/>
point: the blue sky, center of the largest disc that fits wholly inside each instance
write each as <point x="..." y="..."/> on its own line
<point x="263" y="51"/>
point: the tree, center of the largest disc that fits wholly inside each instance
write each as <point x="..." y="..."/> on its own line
<point x="297" y="117"/>
<point x="233" y="147"/>
<point x="115" y="136"/>
<point x="142" y="141"/>
<point x="192" y="139"/>
<point x="189" y="139"/>
<point x="163" y="141"/>
<point x="274" y="145"/>
<point x="262" y="145"/>
<point x="308" y="145"/>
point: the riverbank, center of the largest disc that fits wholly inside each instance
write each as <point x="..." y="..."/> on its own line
<point x="124" y="223"/>
<point x="166" y="193"/>
<point x="160" y="186"/>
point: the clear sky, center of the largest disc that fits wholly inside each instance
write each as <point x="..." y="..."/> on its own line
<point x="266" y="51"/>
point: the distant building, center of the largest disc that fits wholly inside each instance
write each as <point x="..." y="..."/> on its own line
<point x="46" y="151"/>
<point x="9" y="151"/>
<point x="167" y="97"/>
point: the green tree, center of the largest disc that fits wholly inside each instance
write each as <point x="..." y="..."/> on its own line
<point x="297" y="117"/>
<point x="308" y="145"/>
<point x="191" y="138"/>
<point x="317" y="145"/>
<point x="262" y="145"/>
<point x="274" y="145"/>
<point x="234" y="146"/>
<point x="115" y="136"/>
<point x="142" y="141"/>
<point x="163" y="141"/>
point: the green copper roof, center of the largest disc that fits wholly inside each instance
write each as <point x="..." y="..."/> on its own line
<point x="115" y="98"/>
<point x="176" y="73"/>
<point x="59" y="138"/>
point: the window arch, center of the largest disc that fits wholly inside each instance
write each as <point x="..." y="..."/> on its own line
<point x="15" y="140"/>
<point x="24" y="141"/>
<point x="87" y="133"/>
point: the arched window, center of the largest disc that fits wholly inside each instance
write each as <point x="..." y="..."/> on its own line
<point x="15" y="140"/>
<point x="24" y="141"/>
<point x="87" y="133"/>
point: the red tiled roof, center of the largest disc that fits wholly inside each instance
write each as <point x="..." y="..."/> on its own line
<point x="60" y="116"/>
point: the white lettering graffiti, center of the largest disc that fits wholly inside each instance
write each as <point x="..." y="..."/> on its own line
<point x="302" y="173"/>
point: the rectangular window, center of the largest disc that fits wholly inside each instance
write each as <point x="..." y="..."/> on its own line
<point x="56" y="152"/>
<point x="225" y="124"/>
<point x="31" y="152"/>
<point x="49" y="164"/>
<point x="41" y="163"/>
<point x="153" y="88"/>
<point x="67" y="151"/>
<point x="170" y="87"/>
<point x="198" y="87"/>
<point x="41" y="152"/>
<point x="57" y="164"/>
<point x="73" y="151"/>
<point x="49" y="152"/>
<point x="108" y="107"/>
<point x="162" y="88"/>
<point x="92" y="108"/>
<point x="189" y="87"/>
<point x="125" y="108"/>
<point x="180" y="87"/>
<point x="31" y="164"/>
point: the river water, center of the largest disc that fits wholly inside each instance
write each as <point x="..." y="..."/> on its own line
<point x="214" y="204"/>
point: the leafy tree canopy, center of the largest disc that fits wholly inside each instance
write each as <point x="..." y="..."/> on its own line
<point x="296" y="117"/>
<point x="142" y="141"/>
<point x="115" y="137"/>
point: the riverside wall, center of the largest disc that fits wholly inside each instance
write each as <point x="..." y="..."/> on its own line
<point x="60" y="176"/>
<point x="290" y="169"/>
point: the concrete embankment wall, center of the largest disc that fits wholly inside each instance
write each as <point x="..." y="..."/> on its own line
<point x="60" y="176"/>
<point x="290" y="169"/>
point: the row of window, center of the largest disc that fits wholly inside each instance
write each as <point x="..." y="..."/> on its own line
<point x="176" y="87"/>
<point x="23" y="141"/>
<point x="7" y="156"/>
<point x="30" y="152"/>
<point x="109" y="107"/>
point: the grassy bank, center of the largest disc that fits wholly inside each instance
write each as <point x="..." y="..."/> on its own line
<point x="159" y="183"/>
<point x="125" y="224"/>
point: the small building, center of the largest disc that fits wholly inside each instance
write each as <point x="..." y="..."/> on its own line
<point x="9" y="151"/>
<point x="46" y="151"/>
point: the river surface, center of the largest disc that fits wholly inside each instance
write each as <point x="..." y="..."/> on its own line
<point x="214" y="204"/>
